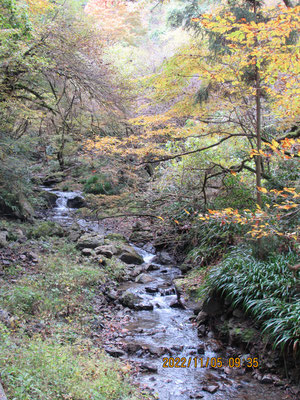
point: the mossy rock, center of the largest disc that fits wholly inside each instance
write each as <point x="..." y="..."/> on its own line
<point x="46" y="229"/>
<point x="241" y="332"/>
<point x="116" y="237"/>
<point x="49" y="198"/>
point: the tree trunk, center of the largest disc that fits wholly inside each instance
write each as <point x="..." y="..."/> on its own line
<point x="258" y="159"/>
<point x="60" y="153"/>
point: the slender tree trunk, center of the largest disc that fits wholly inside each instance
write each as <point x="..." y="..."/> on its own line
<point x="60" y="153"/>
<point x="258" y="159"/>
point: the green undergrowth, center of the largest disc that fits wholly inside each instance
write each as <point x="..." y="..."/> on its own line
<point x="266" y="290"/>
<point x="210" y="241"/>
<point x="45" y="350"/>
<point x="40" y="369"/>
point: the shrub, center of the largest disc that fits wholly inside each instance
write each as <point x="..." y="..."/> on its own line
<point x="99" y="185"/>
<point x="236" y="195"/>
<point x="23" y="299"/>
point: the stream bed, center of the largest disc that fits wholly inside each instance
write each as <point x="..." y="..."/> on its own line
<point x="164" y="332"/>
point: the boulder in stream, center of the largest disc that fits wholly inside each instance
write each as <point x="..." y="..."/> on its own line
<point x="76" y="202"/>
<point x="144" y="278"/>
<point x="114" y="351"/>
<point x="49" y="197"/>
<point x="130" y="256"/>
<point x="114" y="246"/>
<point x="135" y="302"/>
<point x="147" y="367"/>
<point x="211" y="388"/>
<point x="164" y="258"/>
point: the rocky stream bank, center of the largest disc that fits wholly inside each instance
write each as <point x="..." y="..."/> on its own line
<point x="175" y="348"/>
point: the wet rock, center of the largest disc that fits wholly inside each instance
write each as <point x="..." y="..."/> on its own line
<point x="107" y="250"/>
<point x="151" y="289"/>
<point x="87" y="252"/>
<point x="201" y="349"/>
<point x="196" y="396"/>
<point x="137" y="271"/>
<point x="213" y="306"/>
<point x="216" y="345"/>
<point x="90" y="240"/>
<point x="201" y="330"/>
<point x="151" y="267"/>
<point x="177" y="348"/>
<point x="144" y="278"/>
<point x="114" y="351"/>
<point x="148" y="367"/>
<point x="165" y="258"/>
<point x="3" y="239"/>
<point x="197" y="307"/>
<point x="132" y="348"/>
<point x="133" y="301"/>
<point x="157" y="351"/>
<point x="76" y="202"/>
<point x="168" y="291"/>
<point x="267" y="379"/>
<point x="211" y="388"/>
<point x="201" y="317"/>
<point x="144" y="306"/>
<point x="176" y="304"/>
<point x="149" y="247"/>
<point x="130" y="256"/>
<point x="50" y="198"/>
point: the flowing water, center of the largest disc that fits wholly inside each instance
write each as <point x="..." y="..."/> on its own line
<point x="167" y="333"/>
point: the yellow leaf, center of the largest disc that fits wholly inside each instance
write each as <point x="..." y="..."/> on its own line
<point x="175" y="220"/>
<point x="186" y="211"/>
<point x="261" y="189"/>
<point x="160" y="218"/>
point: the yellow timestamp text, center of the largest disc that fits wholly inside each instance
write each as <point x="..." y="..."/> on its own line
<point x="209" y="362"/>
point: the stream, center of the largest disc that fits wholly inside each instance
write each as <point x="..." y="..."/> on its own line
<point x="167" y="332"/>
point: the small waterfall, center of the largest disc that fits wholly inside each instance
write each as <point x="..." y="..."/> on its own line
<point x="61" y="212"/>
